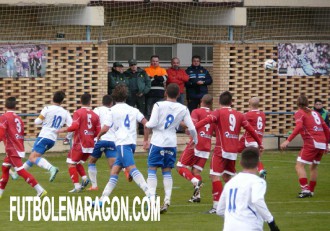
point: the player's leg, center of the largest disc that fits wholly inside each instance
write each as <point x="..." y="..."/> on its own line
<point x="28" y="177"/>
<point x="168" y="164"/>
<point x="126" y="154"/>
<point x="155" y="160"/>
<point x="73" y="158"/>
<point x="92" y="172"/>
<point x="314" y="171"/>
<point x="5" y="175"/>
<point x="81" y="170"/>
<point x="40" y="146"/>
<point x="302" y="160"/>
<point x="112" y="180"/>
<point x="187" y="159"/>
<point x="217" y="169"/>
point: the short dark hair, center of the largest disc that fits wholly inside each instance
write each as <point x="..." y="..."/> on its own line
<point x="317" y="100"/>
<point x="173" y="90"/>
<point x="196" y="57"/>
<point x="207" y="99"/>
<point x="58" y="97"/>
<point x="154" y="56"/>
<point x="250" y="158"/>
<point x="85" y="99"/>
<point x="107" y="100"/>
<point x="302" y="101"/>
<point x="225" y="98"/>
<point x="120" y="93"/>
<point x="10" y="103"/>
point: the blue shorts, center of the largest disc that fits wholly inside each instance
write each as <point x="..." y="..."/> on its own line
<point x="125" y="155"/>
<point x="108" y="147"/>
<point x="161" y="157"/>
<point x="41" y="145"/>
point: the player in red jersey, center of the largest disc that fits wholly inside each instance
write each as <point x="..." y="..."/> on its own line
<point x="257" y="119"/>
<point x="315" y="134"/>
<point x="12" y="135"/>
<point x="86" y="126"/>
<point x="228" y="125"/>
<point x="195" y="157"/>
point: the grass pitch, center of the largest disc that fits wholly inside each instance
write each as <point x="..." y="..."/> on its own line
<point x="291" y="213"/>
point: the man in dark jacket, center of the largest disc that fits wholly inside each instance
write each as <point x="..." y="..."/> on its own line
<point x="318" y="106"/>
<point x="196" y="87"/>
<point x="139" y="86"/>
<point x="116" y="76"/>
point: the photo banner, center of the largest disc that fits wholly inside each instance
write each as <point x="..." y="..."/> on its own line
<point x="303" y="59"/>
<point x="22" y="60"/>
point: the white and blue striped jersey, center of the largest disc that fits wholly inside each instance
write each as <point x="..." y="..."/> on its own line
<point x="122" y="120"/>
<point x="165" y="120"/>
<point x="104" y="114"/>
<point x="243" y="205"/>
<point x="54" y="117"/>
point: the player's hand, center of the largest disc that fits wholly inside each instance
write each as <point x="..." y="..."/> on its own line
<point x="272" y="226"/>
<point x="187" y="132"/>
<point x="146" y="145"/>
<point x="261" y="148"/>
<point x="284" y="144"/>
<point x="60" y="130"/>
<point x="200" y="82"/>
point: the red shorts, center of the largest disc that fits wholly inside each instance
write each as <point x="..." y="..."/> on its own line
<point x="188" y="159"/>
<point x="310" y="155"/>
<point x="220" y="165"/>
<point x="75" y="155"/>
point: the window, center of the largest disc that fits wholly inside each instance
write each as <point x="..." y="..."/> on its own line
<point x="142" y="53"/>
<point x="205" y="52"/>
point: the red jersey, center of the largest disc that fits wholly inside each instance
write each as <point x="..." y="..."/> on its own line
<point x="312" y="129"/>
<point x="257" y="119"/>
<point x="203" y="147"/>
<point x="228" y="125"/>
<point x="12" y="133"/>
<point x="86" y="125"/>
<point x="177" y="76"/>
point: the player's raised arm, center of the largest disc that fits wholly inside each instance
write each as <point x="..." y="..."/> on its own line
<point x="209" y="119"/>
<point x="299" y="125"/>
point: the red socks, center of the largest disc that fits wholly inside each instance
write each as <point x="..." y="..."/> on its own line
<point x="81" y="170"/>
<point x="303" y="183"/>
<point x="312" y="185"/>
<point x="74" y="174"/>
<point x="186" y="173"/>
<point x="5" y="177"/>
<point x="27" y="177"/>
<point x="216" y="190"/>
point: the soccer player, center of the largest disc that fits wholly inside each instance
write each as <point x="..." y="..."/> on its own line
<point x="257" y="119"/>
<point x="52" y="118"/>
<point x="12" y="134"/>
<point x="315" y="134"/>
<point x="195" y="157"/>
<point x="242" y="202"/>
<point x="122" y="120"/>
<point x="228" y="125"/>
<point x="86" y="126"/>
<point x="106" y="143"/>
<point x="165" y="119"/>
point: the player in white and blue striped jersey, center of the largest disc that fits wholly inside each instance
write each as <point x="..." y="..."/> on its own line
<point x="52" y="118"/>
<point x="106" y="143"/>
<point x="165" y="119"/>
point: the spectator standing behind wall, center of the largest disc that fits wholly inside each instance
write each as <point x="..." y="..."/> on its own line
<point x="158" y="76"/>
<point x="178" y="76"/>
<point x="196" y="87"/>
<point x="318" y="106"/>
<point x="116" y="77"/>
<point x="139" y="86"/>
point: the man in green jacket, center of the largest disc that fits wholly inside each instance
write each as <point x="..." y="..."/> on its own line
<point x="116" y="77"/>
<point x="139" y="85"/>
